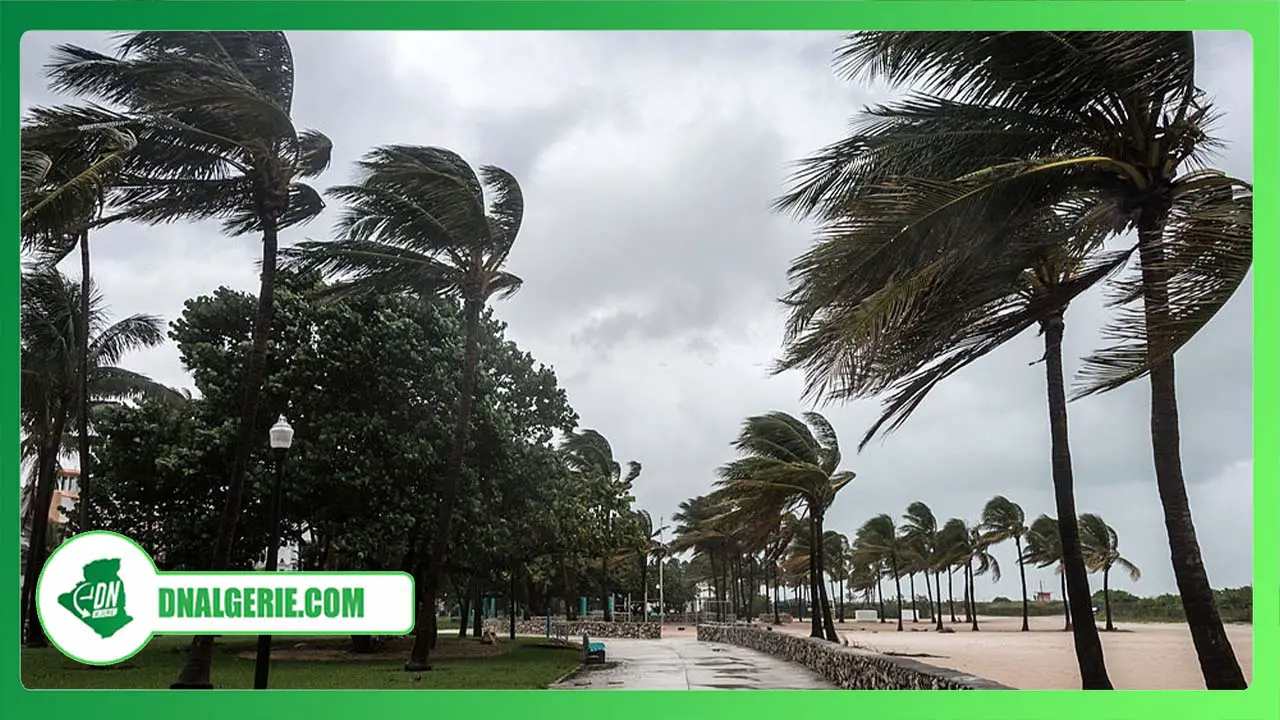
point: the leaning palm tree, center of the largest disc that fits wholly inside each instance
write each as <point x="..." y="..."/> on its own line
<point x="75" y="166"/>
<point x="1101" y="548"/>
<point x="952" y="544"/>
<point x="49" y="320"/>
<point x="216" y="140"/>
<point x="978" y="560"/>
<point x="1044" y="548"/>
<point x="788" y="460"/>
<point x="421" y="219"/>
<point x="920" y="531"/>
<point x="879" y="543"/>
<point x="589" y="456"/>
<point x="1121" y="124"/>
<point x="1003" y="520"/>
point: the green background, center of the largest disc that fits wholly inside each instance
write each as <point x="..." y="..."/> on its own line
<point x="1261" y="18"/>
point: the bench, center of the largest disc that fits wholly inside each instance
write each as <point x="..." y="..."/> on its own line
<point x="592" y="652"/>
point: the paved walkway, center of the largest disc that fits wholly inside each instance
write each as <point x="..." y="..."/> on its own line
<point x="686" y="664"/>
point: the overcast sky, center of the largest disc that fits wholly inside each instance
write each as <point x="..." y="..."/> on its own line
<point x="652" y="263"/>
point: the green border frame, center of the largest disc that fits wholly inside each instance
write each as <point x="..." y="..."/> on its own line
<point x="1261" y="18"/>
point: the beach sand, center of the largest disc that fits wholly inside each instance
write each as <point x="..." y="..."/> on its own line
<point x="1139" y="656"/>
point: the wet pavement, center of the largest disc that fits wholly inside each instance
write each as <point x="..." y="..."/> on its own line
<point x="686" y="664"/>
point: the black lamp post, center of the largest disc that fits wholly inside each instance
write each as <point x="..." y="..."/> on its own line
<point x="281" y="438"/>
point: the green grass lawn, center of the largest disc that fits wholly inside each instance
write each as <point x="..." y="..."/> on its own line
<point x="318" y="663"/>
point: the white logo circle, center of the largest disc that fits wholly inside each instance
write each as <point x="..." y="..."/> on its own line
<point x="96" y="598"/>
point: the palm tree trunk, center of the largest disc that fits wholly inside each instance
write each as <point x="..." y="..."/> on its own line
<point x="83" y="389"/>
<point x="880" y="594"/>
<point x="644" y="583"/>
<point x="604" y="589"/>
<point x="897" y="581"/>
<point x="1066" y="606"/>
<point x="828" y="624"/>
<point x="937" y="588"/>
<point x="842" y="600"/>
<point x="38" y="542"/>
<point x="973" y="596"/>
<point x="196" y="670"/>
<point x="968" y="595"/>
<point x="777" y="619"/>
<point x="1022" y="571"/>
<point x="1093" y="668"/>
<point x="471" y="309"/>
<point x="951" y="592"/>
<point x="1218" y="661"/>
<point x="815" y="580"/>
<point x="511" y="605"/>
<point x="1106" y="596"/>
<point x="915" y="604"/>
<point x="928" y="592"/>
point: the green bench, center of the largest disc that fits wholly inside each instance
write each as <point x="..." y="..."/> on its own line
<point x="592" y="651"/>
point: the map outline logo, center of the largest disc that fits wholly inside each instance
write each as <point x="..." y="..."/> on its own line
<point x="99" y="600"/>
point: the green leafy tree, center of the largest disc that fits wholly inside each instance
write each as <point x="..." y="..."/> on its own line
<point x="1003" y="520"/>
<point x="589" y="456"/>
<point x="1102" y="552"/>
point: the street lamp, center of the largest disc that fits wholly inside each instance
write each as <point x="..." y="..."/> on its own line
<point x="281" y="437"/>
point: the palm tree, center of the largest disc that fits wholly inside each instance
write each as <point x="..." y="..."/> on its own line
<point x="420" y="219"/>
<point x="1101" y="549"/>
<point x="216" y="140"/>
<point x="67" y="171"/>
<point x="1044" y="548"/>
<point x="785" y="460"/>
<point x="50" y="387"/>
<point x="699" y="527"/>
<point x="952" y="543"/>
<point x="1003" y="520"/>
<point x="1121" y="129"/>
<point x="878" y="542"/>
<point x="920" y="531"/>
<point x="589" y="456"/>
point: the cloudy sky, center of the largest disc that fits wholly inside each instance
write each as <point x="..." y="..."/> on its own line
<point x="652" y="263"/>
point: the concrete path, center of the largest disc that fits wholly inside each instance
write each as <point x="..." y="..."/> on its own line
<point x="686" y="664"/>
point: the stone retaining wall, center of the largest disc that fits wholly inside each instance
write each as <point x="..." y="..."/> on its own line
<point x="848" y="668"/>
<point x="575" y="630"/>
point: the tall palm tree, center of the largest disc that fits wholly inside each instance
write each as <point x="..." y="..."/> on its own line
<point x="50" y="386"/>
<point x="952" y="543"/>
<point x="73" y="168"/>
<point x="699" y="528"/>
<point x="878" y="542"/>
<point x="1102" y="552"/>
<point x="1122" y="127"/>
<point x="1044" y="548"/>
<point x="1003" y="520"/>
<point x="920" y="531"/>
<point x="421" y="219"/>
<point x="974" y="309"/>
<point x="788" y="460"/>
<point x="212" y="111"/>
<point x="589" y="456"/>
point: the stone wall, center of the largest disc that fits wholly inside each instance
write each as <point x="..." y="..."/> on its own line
<point x="574" y="630"/>
<point x="848" y="668"/>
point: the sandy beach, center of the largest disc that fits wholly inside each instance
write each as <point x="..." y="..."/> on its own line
<point x="1139" y="656"/>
